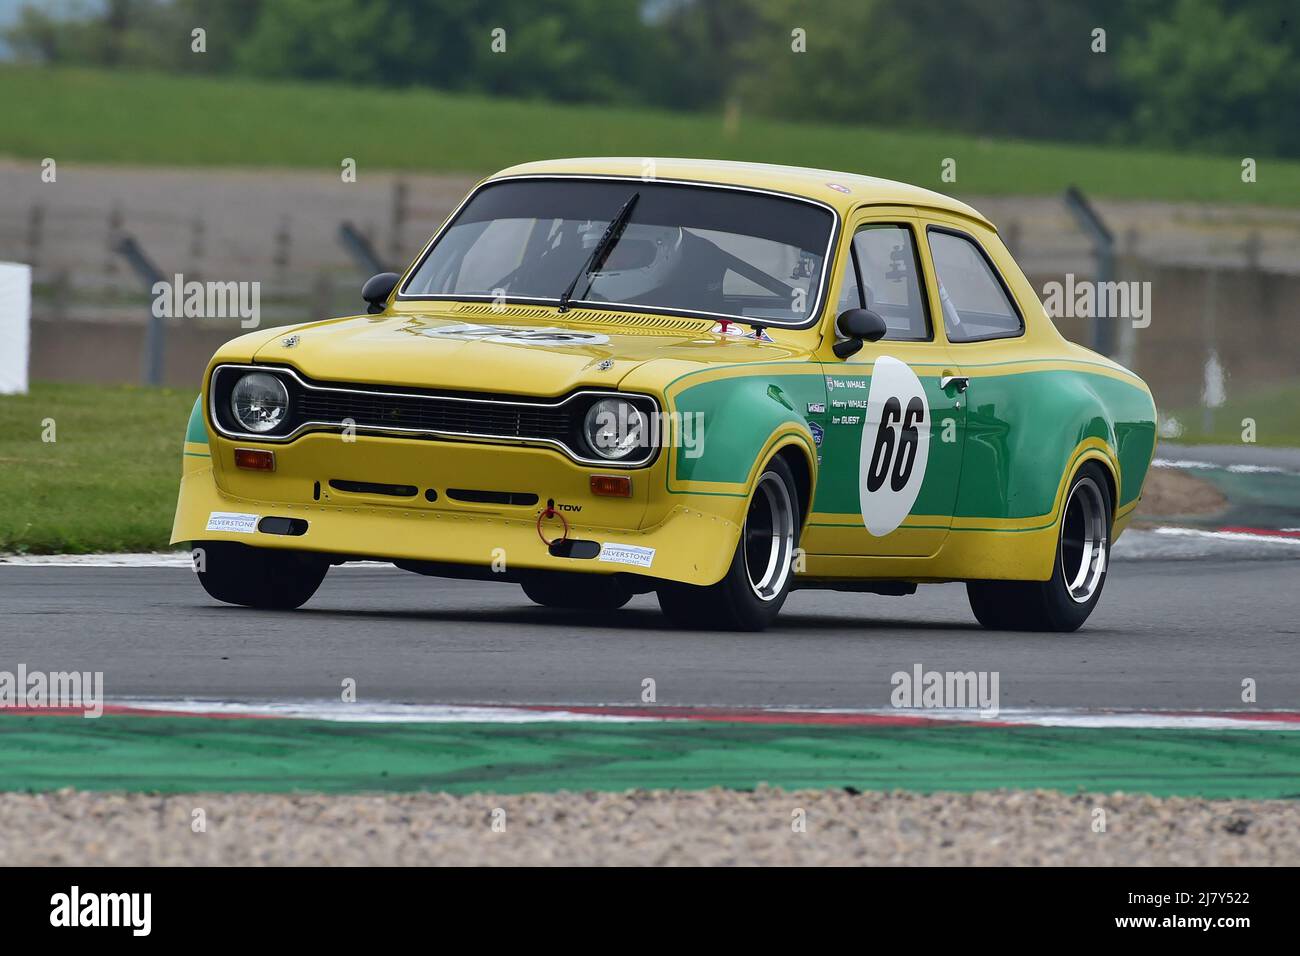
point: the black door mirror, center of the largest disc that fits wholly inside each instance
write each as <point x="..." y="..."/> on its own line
<point x="859" y="325"/>
<point x="378" y="288"/>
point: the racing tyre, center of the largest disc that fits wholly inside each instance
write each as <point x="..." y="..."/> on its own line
<point x="1064" y="602"/>
<point x="263" y="578"/>
<point x="578" y="592"/>
<point x="750" y="594"/>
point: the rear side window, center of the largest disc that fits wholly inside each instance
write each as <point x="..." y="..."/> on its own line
<point x="882" y="275"/>
<point x="976" y="304"/>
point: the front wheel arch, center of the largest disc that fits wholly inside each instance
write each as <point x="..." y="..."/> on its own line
<point x="796" y="459"/>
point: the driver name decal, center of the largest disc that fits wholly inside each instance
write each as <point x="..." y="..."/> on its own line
<point x="895" y="446"/>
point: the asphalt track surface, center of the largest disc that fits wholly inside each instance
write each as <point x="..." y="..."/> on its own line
<point x="1180" y="634"/>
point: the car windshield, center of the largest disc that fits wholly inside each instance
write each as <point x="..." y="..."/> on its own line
<point x="731" y="253"/>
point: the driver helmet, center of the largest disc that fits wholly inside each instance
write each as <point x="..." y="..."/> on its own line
<point x="643" y="259"/>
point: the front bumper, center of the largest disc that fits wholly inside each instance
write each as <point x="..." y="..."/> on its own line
<point x="689" y="545"/>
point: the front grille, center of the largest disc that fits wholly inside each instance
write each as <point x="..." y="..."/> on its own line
<point x="433" y="414"/>
<point x="380" y="409"/>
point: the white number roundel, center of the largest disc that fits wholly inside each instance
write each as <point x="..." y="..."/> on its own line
<point x="515" y="334"/>
<point x="895" y="446"/>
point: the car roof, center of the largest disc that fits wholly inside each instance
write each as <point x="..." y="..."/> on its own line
<point x="840" y="190"/>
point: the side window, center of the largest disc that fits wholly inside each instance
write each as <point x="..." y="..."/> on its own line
<point x="975" y="303"/>
<point x="886" y="280"/>
<point x="850" y="297"/>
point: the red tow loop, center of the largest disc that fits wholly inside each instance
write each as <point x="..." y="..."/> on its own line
<point x="550" y="512"/>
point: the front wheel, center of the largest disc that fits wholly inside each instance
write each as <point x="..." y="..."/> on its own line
<point x="750" y="594"/>
<point x="265" y="578"/>
<point x="1063" y="602"/>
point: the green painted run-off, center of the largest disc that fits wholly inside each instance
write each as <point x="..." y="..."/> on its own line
<point x="205" y="754"/>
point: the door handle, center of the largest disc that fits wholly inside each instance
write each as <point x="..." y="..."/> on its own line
<point x="960" y="382"/>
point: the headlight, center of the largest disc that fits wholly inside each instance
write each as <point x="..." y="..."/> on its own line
<point x="616" y="429"/>
<point x="259" y="402"/>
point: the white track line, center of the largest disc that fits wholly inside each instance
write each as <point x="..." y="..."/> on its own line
<point x="1229" y="536"/>
<point x="383" y="713"/>
<point x="1241" y="469"/>
<point x="164" y="559"/>
<point x="438" y="713"/>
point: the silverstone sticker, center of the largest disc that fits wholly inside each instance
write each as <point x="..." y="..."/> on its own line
<point x="632" y="554"/>
<point x="818" y="433"/>
<point x="232" y="522"/>
<point x="895" y="446"/>
<point x="515" y="334"/>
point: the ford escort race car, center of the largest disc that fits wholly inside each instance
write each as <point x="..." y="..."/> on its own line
<point x="713" y="381"/>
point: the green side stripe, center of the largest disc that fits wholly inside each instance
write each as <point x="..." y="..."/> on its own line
<point x="196" y="431"/>
<point x="202" y="754"/>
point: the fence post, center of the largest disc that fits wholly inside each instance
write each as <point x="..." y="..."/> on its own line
<point x="35" y="228"/>
<point x="155" y="332"/>
<point x="360" y="248"/>
<point x="1103" y="250"/>
<point x="399" y="220"/>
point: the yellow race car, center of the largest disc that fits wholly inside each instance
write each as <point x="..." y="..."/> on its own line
<point x="715" y="381"/>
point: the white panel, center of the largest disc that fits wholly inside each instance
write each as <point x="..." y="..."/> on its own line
<point x="15" y="326"/>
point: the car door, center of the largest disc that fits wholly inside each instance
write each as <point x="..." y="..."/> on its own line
<point x="892" y="430"/>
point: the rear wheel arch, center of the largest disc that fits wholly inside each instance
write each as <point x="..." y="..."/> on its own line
<point x="1108" y="470"/>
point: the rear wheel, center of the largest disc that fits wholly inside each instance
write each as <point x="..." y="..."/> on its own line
<point x="263" y="578"/>
<point x="751" y="593"/>
<point x="578" y="592"/>
<point x="1063" y="602"/>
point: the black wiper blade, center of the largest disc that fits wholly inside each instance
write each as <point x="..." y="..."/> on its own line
<point x="596" y="261"/>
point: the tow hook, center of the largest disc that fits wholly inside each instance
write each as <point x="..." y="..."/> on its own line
<point x="547" y="515"/>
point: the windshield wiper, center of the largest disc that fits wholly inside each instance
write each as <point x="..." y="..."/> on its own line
<point x="596" y="261"/>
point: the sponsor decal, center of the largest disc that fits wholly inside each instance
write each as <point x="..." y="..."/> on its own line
<point x="895" y="446"/>
<point x="632" y="554"/>
<point x="515" y="334"/>
<point x="839" y="188"/>
<point x="232" y="522"/>
<point x="816" y="408"/>
<point x="818" y="433"/>
<point x="289" y="341"/>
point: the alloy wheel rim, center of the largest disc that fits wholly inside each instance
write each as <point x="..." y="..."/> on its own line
<point x="768" y="537"/>
<point x="1084" y="541"/>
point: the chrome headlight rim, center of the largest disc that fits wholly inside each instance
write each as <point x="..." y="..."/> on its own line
<point x="628" y="419"/>
<point x="264" y="380"/>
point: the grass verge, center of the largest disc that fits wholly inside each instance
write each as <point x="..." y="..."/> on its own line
<point x="107" y="117"/>
<point x="1272" y="409"/>
<point x="108" y="480"/>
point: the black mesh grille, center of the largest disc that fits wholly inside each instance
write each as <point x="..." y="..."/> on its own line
<point x="436" y="415"/>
